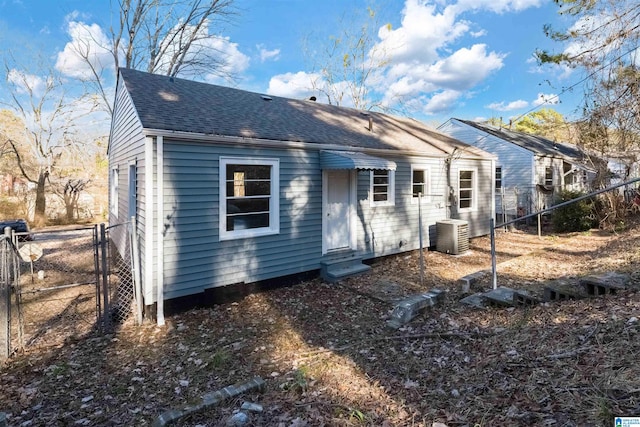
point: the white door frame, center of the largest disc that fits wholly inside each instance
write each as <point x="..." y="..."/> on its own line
<point x="351" y="212"/>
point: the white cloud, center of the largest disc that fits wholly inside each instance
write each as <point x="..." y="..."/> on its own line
<point x="442" y="102"/>
<point x="498" y="6"/>
<point x="294" y="85"/>
<point x="233" y="60"/>
<point x="26" y="83"/>
<point x="466" y="67"/>
<point x="546" y="99"/>
<point x="513" y="105"/>
<point x="89" y="47"/>
<point x="425" y="55"/>
<point x="266" y="54"/>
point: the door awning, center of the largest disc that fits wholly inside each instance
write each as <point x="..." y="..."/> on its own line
<point x="353" y="160"/>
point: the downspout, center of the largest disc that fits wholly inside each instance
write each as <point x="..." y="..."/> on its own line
<point x="160" y="228"/>
<point x="148" y="221"/>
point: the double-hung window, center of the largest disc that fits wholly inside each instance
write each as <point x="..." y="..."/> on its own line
<point x="467" y="190"/>
<point x="249" y="197"/>
<point x="498" y="177"/>
<point x="548" y="176"/>
<point x="382" y="187"/>
<point x="420" y="183"/>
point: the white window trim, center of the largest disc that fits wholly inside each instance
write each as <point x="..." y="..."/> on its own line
<point x="426" y="197"/>
<point x="544" y="178"/>
<point x="474" y="190"/>
<point x="391" y="200"/>
<point x="114" y="190"/>
<point x="274" y="200"/>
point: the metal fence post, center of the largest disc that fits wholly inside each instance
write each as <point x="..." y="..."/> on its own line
<point x="106" y="317"/>
<point x="96" y="264"/>
<point x="5" y="300"/>
<point x="420" y="237"/>
<point x="136" y="276"/>
<point x="494" y="277"/>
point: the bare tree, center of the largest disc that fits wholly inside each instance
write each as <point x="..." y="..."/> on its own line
<point x="70" y="194"/>
<point x="603" y="43"/>
<point x="158" y="36"/>
<point x="344" y="66"/>
<point x="48" y="121"/>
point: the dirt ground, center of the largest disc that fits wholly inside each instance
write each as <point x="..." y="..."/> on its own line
<point x="328" y="358"/>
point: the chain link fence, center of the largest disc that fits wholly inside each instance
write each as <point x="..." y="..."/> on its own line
<point x="122" y="251"/>
<point x="9" y="274"/>
<point x="57" y="294"/>
<point x="64" y="284"/>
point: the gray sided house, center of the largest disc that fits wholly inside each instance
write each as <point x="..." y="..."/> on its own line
<point x="530" y="170"/>
<point x="231" y="187"/>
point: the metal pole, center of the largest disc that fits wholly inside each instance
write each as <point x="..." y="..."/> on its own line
<point x="494" y="279"/>
<point x="96" y="267"/>
<point x="106" y="315"/>
<point x="137" y="285"/>
<point x="420" y="236"/>
<point x="5" y="300"/>
<point x="539" y="226"/>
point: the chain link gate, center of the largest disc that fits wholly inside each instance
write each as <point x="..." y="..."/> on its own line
<point x="63" y="284"/>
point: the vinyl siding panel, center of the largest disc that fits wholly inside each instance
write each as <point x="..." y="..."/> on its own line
<point x="126" y="146"/>
<point x="385" y="230"/>
<point x="194" y="256"/>
<point x="516" y="162"/>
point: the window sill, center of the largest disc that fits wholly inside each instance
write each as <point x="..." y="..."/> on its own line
<point x="249" y="233"/>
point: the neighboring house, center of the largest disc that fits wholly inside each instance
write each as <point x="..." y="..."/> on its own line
<point x="232" y="187"/>
<point x="530" y="170"/>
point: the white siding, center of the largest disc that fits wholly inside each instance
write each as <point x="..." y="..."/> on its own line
<point x="518" y="179"/>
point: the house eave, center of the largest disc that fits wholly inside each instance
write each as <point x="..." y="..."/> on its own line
<point x="282" y="144"/>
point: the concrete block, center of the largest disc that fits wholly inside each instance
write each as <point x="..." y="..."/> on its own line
<point x="207" y="400"/>
<point x="562" y="289"/>
<point x="499" y="297"/>
<point x="408" y="309"/>
<point x="524" y="299"/>
<point x="475" y="300"/>
<point x="604" y="284"/>
<point x="468" y="281"/>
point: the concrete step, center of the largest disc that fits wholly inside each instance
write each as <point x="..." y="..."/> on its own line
<point x="340" y="265"/>
<point x="341" y="271"/>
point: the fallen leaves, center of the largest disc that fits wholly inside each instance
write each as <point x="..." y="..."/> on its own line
<point x="328" y="358"/>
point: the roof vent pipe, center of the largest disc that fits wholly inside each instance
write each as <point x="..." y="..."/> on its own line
<point x="370" y="124"/>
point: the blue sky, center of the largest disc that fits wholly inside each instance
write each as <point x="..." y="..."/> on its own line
<point x="470" y="59"/>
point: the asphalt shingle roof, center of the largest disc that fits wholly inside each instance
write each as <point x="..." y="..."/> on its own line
<point x="534" y="143"/>
<point x="175" y="104"/>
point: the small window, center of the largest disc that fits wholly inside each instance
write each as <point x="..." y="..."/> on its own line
<point x="498" y="177"/>
<point x="548" y="176"/>
<point x="420" y="183"/>
<point x="382" y="187"/>
<point x="466" y="190"/>
<point x="113" y="195"/>
<point x="249" y="197"/>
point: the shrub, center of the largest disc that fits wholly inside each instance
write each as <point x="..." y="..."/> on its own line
<point x="576" y="216"/>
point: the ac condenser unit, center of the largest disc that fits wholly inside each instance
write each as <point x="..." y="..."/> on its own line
<point x="452" y="236"/>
